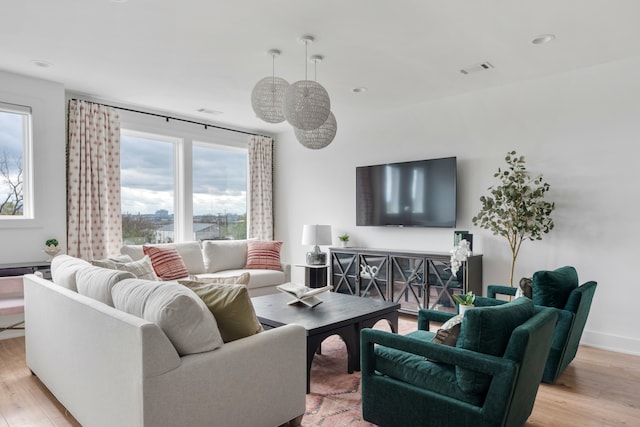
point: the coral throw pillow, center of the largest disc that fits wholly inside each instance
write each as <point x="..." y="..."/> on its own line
<point x="263" y="255"/>
<point x="166" y="262"/>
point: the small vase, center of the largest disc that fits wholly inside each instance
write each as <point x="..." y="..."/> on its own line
<point x="343" y="243"/>
<point x="462" y="308"/>
<point x="52" y="251"/>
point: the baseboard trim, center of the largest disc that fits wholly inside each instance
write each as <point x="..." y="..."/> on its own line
<point x="610" y="342"/>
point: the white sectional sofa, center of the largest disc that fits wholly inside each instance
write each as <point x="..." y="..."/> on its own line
<point x="112" y="368"/>
<point x="221" y="258"/>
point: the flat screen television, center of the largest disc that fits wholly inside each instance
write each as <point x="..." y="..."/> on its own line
<point x="410" y="194"/>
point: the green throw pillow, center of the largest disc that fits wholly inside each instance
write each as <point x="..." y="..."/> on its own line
<point x="552" y="288"/>
<point x="232" y="308"/>
<point x="488" y="330"/>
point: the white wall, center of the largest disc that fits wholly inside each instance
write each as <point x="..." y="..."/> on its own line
<point x="23" y="240"/>
<point x="581" y="130"/>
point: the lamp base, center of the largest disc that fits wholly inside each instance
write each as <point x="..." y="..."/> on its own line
<point x="316" y="257"/>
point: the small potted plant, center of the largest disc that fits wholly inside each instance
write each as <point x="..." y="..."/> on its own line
<point x="344" y="239"/>
<point x="464" y="301"/>
<point x="51" y="248"/>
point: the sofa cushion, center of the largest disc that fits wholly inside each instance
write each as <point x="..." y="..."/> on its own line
<point x="96" y="282"/>
<point x="178" y="311"/>
<point x="167" y="262"/>
<point x="488" y="330"/>
<point x="263" y="255"/>
<point x="232" y="308"/>
<point x="552" y="288"/>
<point x="64" y="268"/>
<point x="242" y="279"/>
<point x="220" y="255"/>
<point x="190" y="252"/>
<point x="257" y="278"/>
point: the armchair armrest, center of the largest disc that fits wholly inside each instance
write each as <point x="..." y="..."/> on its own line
<point x="479" y="362"/>
<point x="493" y="290"/>
<point x="426" y="315"/>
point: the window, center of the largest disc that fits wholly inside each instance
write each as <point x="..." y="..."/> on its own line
<point x="147" y="188"/>
<point x="219" y="192"/>
<point x="175" y="189"/>
<point x="15" y="161"/>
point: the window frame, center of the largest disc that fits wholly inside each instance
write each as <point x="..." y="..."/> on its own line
<point x="186" y="135"/>
<point x="28" y="207"/>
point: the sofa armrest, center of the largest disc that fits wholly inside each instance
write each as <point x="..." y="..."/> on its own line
<point x="286" y="269"/>
<point x="257" y="380"/>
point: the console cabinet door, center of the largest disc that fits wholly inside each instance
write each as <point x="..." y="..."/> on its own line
<point x="344" y="272"/>
<point x="408" y="282"/>
<point x="372" y="277"/>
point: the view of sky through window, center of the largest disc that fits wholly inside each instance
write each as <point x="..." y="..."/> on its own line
<point x="12" y="139"/>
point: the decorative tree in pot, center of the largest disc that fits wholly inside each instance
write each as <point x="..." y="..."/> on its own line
<point x="516" y="209"/>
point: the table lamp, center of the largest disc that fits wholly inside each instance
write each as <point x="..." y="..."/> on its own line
<point x="314" y="234"/>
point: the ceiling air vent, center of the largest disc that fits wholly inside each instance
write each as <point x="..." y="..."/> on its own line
<point x="483" y="66"/>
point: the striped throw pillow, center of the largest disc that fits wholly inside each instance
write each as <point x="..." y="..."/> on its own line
<point x="263" y="255"/>
<point x="167" y="262"/>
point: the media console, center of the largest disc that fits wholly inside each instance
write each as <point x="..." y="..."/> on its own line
<point x="413" y="279"/>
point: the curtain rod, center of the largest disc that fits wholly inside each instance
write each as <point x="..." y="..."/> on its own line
<point x="167" y="118"/>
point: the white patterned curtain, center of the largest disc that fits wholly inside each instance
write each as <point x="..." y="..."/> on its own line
<point x="261" y="188"/>
<point x="94" y="221"/>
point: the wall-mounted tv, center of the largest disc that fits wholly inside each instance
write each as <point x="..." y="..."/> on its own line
<point x="411" y="194"/>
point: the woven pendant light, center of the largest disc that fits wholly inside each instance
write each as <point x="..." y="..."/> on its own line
<point x="306" y="103"/>
<point x="316" y="139"/>
<point x="268" y="94"/>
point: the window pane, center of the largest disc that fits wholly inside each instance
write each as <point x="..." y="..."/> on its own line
<point x="14" y="143"/>
<point x="219" y="193"/>
<point x="147" y="186"/>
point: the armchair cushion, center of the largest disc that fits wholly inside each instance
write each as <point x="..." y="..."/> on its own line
<point x="420" y="372"/>
<point x="552" y="288"/>
<point x="488" y="330"/>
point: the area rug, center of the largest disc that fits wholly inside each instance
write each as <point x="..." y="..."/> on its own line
<point x="335" y="398"/>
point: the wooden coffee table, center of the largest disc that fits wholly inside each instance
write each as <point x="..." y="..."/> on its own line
<point x="338" y="314"/>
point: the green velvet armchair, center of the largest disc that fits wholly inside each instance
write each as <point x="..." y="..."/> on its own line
<point x="559" y="290"/>
<point x="489" y="378"/>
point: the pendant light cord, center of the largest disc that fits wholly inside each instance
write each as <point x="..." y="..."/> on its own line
<point x="306" y="57"/>
<point x="273" y="69"/>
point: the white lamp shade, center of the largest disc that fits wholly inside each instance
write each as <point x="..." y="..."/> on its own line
<point x="316" y="234"/>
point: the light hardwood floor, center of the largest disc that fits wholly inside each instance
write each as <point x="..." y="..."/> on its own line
<point x="599" y="388"/>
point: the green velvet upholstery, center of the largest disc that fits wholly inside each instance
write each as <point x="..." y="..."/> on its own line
<point x="402" y="387"/>
<point x="552" y="288"/>
<point x="572" y="316"/>
<point x="487" y="330"/>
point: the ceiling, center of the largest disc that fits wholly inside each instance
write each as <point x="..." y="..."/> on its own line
<point x="181" y="56"/>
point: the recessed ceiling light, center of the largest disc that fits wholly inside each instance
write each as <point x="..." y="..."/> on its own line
<point x="40" y="63"/>
<point x="545" y="38"/>
<point x="359" y="89"/>
<point x="208" y="111"/>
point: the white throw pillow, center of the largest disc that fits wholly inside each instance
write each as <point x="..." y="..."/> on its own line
<point x="178" y="311"/>
<point x="63" y="270"/>
<point x="142" y="268"/>
<point x="220" y="255"/>
<point x="96" y="282"/>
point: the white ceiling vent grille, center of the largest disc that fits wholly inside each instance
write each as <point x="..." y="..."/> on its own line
<point x="483" y="66"/>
